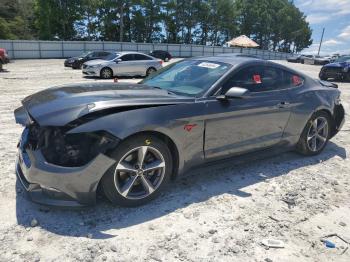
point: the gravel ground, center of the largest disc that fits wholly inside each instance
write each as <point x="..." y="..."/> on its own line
<point x="221" y="213"/>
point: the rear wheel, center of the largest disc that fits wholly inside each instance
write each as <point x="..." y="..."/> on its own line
<point x="315" y="134"/>
<point x="143" y="167"/>
<point x="150" y="70"/>
<point x="106" y="73"/>
<point x="0" y="65"/>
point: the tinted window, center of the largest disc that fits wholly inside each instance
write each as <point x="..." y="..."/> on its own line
<point x="188" y="77"/>
<point x="128" y="57"/>
<point x="95" y="54"/>
<point x="142" y="57"/>
<point x="259" y="79"/>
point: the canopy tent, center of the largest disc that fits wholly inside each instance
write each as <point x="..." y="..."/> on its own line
<point x="242" y="41"/>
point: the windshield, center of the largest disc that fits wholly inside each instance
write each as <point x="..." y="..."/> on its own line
<point x="343" y="59"/>
<point x="111" y="56"/>
<point x="85" y="54"/>
<point x="189" y="77"/>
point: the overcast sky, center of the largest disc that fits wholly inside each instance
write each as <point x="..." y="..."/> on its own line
<point x="334" y="15"/>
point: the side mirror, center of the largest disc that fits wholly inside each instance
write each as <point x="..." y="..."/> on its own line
<point x="235" y="92"/>
<point x="118" y="60"/>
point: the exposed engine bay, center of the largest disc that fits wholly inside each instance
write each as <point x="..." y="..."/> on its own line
<point x="68" y="150"/>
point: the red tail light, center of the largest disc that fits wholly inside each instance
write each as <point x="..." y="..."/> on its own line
<point x="161" y="62"/>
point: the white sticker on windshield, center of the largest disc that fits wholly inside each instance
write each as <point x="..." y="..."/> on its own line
<point x="208" y="65"/>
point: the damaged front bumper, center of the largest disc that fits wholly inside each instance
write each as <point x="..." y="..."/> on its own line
<point x="55" y="185"/>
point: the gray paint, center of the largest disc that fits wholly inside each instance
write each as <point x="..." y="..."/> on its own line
<point x="223" y="128"/>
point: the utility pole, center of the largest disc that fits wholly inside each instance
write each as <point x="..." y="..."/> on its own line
<point x="319" y="48"/>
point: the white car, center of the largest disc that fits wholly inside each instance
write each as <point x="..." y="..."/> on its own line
<point x="122" y="64"/>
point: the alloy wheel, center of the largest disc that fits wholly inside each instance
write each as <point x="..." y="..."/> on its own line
<point x="317" y="134"/>
<point x="139" y="172"/>
<point x="106" y="73"/>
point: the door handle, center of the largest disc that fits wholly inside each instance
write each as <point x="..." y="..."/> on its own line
<point x="283" y="104"/>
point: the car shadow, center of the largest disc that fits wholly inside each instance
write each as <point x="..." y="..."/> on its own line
<point x="195" y="187"/>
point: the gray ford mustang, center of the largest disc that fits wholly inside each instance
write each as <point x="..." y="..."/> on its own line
<point x="131" y="139"/>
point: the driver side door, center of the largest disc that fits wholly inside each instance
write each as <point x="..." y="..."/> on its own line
<point x="239" y="125"/>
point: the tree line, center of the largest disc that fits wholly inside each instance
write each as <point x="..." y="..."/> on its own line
<point x="274" y="24"/>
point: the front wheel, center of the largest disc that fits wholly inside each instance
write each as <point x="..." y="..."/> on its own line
<point x="315" y="135"/>
<point x="106" y="73"/>
<point x="322" y="77"/>
<point x="143" y="168"/>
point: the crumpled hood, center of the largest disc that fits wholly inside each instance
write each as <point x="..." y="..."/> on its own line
<point x="58" y="106"/>
<point x="338" y="64"/>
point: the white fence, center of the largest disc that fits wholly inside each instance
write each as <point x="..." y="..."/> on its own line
<point x="25" y="49"/>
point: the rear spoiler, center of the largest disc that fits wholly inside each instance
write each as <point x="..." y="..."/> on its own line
<point x="327" y="84"/>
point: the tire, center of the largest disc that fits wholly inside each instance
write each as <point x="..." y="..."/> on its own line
<point x="78" y="66"/>
<point x="127" y="155"/>
<point x="302" y="61"/>
<point x="0" y="66"/>
<point x="322" y="77"/>
<point x="150" y="71"/>
<point x="310" y="143"/>
<point x="347" y="77"/>
<point x="106" y="73"/>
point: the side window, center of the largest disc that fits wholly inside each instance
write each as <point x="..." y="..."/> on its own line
<point x="142" y="57"/>
<point x="95" y="54"/>
<point x="260" y="79"/>
<point x="272" y="79"/>
<point x="249" y="78"/>
<point x="128" y="57"/>
<point x="292" y="80"/>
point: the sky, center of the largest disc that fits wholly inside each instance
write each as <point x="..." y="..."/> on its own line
<point x="334" y="15"/>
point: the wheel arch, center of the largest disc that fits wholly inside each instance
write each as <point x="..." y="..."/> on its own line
<point x="169" y="142"/>
<point x="107" y="67"/>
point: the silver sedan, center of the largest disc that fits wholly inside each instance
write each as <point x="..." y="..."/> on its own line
<point x="122" y="64"/>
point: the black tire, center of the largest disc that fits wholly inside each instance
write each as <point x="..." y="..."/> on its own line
<point x="302" y="61"/>
<point x="150" y="71"/>
<point x="303" y="146"/>
<point x="322" y="77"/>
<point x="347" y="77"/>
<point x="111" y="184"/>
<point x="77" y="66"/>
<point x="106" y="73"/>
<point x="0" y="66"/>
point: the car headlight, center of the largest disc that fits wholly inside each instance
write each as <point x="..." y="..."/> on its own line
<point x="345" y="69"/>
<point x="94" y="66"/>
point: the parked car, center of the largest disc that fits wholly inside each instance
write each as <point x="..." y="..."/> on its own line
<point x="237" y="55"/>
<point x="77" y="62"/>
<point x="164" y="55"/>
<point x="4" y="57"/>
<point x="339" y="69"/>
<point x="130" y="139"/>
<point x="123" y="64"/>
<point x="295" y="59"/>
<point x="315" y="60"/>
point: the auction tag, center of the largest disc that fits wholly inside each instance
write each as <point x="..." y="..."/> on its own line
<point x="257" y="79"/>
<point x="208" y="65"/>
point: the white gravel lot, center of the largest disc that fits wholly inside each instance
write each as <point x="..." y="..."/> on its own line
<point x="221" y="213"/>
